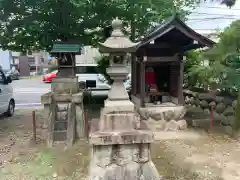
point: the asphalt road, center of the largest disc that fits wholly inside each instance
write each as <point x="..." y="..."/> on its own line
<point x="27" y="93"/>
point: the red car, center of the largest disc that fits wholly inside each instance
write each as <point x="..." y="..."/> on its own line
<point x="49" y="77"/>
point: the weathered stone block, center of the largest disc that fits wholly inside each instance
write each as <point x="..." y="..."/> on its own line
<point x="187" y="100"/>
<point x="191" y="100"/>
<point x="229" y="111"/>
<point x="149" y="172"/>
<point x="144" y="153"/>
<point x="121" y="121"/>
<point x="144" y="113"/>
<point x="234" y="104"/>
<point x="204" y="104"/>
<point x="172" y="126"/>
<point x="201" y="123"/>
<point x="182" y="124"/>
<point x="179" y="113"/>
<point x="228" y="101"/>
<point x="65" y="85"/>
<point x="156" y="115"/>
<point x="125" y="154"/>
<point x="207" y="111"/>
<point x="197" y="102"/>
<point x="220" y="107"/>
<point x="228" y="130"/>
<point x="102" y="155"/>
<point x="195" y="112"/>
<point x="207" y="96"/>
<point x="231" y="120"/>
<point x="219" y="99"/>
<point x="46" y="98"/>
<point x="168" y="115"/>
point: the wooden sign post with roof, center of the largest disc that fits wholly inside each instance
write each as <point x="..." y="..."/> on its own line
<point x="65" y="101"/>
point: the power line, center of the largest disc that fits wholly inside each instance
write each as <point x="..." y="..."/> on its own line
<point x="212" y="7"/>
<point x="208" y="19"/>
<point x="199" y="13"/>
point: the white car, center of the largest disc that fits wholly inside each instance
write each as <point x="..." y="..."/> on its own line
<point x="89" y="78"/>
<point x="7" y="102"/>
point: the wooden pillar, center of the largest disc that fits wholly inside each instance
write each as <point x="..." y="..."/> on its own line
<point x="180" y="82"/>
<point x="133" y="74"/>
<point x="142" y="81"/>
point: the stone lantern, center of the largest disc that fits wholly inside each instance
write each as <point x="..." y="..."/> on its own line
<point x="118" y="46"/>
<point x="120" y="146"/>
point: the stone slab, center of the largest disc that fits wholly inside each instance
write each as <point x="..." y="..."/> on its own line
<point x="118" y="106"/>
<point x="75" y="98"/>
<point x="65" y="85"/>
<point x="121" y="137"/>
<point x="46" y="98"/>
<point x="119" y="121"/>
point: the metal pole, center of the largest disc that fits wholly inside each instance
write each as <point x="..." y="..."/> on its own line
<point x="34" y="126"/>
<point x="211" y="118"/>
<point x="86" y="124"/>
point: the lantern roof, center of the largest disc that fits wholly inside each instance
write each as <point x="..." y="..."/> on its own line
<point x="117" y="42"/>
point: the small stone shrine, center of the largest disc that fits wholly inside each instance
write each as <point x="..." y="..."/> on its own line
<point x="120" y="144"/>
<point x="65" y="101"/>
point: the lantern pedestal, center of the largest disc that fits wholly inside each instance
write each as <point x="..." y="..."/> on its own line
<point x="120" y="141"/>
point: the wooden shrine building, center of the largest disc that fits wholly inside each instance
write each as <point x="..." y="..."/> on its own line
<point x="162" y="52"/>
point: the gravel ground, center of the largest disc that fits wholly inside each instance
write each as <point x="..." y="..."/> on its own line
<point x="189" y="155"/>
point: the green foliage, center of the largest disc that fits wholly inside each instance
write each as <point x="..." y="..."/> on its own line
<point x="224" y="63"/>
<point x="192" y="61"/>
<point x="103" y="64"/>
<point x="29" y="25"/>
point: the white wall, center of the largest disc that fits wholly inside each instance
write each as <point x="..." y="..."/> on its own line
<point x="88" y="56"/>
<point x="5" y="59"/>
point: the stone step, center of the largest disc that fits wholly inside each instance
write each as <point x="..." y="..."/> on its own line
<point x="59" y="136"/>
<point x="60" y="125"/>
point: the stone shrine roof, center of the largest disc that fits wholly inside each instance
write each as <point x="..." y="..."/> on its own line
<point x="175" y="25"/>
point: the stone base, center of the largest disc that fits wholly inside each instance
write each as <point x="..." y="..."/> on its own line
<point x="163" y="125"/>
<point x="167" y="118"/>
<point x="122" y="162"/>
<point x="118" y="106"/>
<point x="163" y="113"/>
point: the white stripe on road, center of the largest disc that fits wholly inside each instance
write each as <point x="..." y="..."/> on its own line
<point x="24" y="92"/>
<point x="27" y="107"/>
<point x="28" y="104"/>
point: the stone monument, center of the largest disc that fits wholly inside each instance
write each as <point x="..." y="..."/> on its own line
<point x="65" y="101"/>
<point x="120" y="144"/>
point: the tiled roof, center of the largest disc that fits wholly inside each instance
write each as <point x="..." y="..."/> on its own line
<point x="66" y="48"/>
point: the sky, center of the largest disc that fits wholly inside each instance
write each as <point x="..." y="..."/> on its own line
<point x="210" y="16"/>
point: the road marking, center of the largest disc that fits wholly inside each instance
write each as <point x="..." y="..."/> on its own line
<point x="31" y="90"/>
<point x="28" y="104"/>
<point x="32" y="107"/>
